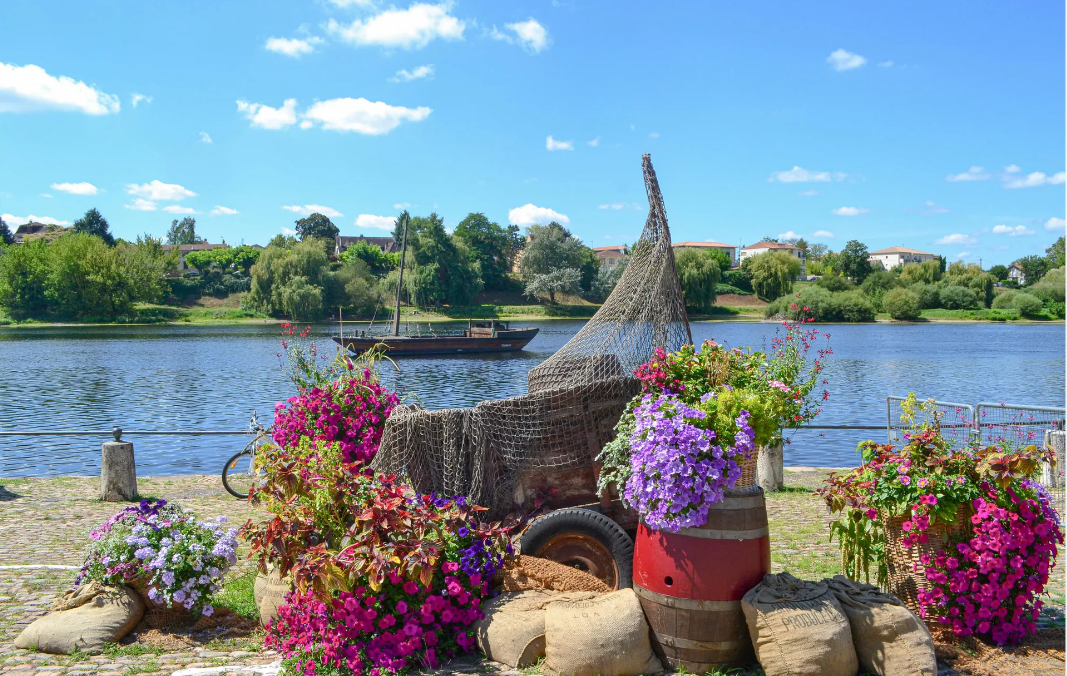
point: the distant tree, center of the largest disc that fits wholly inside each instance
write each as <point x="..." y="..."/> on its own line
<point x="92" y="223"/>
<point x="606" y="279"/>
<point x="722" y="258"/>
<point x="926" y="272"/>
<point x="1000" y="272"/>
<point x="377" y="261"/>
<point x="833" y="283"/>
<point x="561" y="280"/>
<point x="971" y="276"/>
<point x="772" y="273"/>
<point x="5" y="234"/>
<point x="316" y="226"/>
<point x="282" y="241"/>
<point x="491" y="246"/>
<point x="231" y="259"/>
<point x="817" y="251"/>
<point x="958" y="298"/>
<point x="698" y="274"/>
<point x="768" y="238"/>
<point x="183" y="232"/>
<point x="23" y="278"/>
<point x="550" y="247"/>
<point x="942" y="263"/>
<point x="289" y="281"/>
<point x="831" y="263"/>
<point x="902" y="304"/>
<point x="878" y="284"/>
<point x="854" y="261"/>
<point x="442" y="272"/>
<point x="1055" y="254"/>
<point x="1034" y="268"/>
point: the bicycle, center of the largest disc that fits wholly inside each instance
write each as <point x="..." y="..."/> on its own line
<point x="239" y="475"/>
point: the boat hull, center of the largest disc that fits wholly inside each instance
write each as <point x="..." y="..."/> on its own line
<point x="511" y="340"/>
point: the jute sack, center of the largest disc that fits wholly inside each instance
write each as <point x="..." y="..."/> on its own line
<point x="513" y="629"/>
<point x="798" y="628"/>
<point x="88" y="617"/>
<point x="531" y="572"/>
<point x="268" y="591"/>
<point x="606" y="635"/>
<point x="889" y="638"/>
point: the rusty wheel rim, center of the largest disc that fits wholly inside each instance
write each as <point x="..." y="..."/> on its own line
<point x="583" y="553"/>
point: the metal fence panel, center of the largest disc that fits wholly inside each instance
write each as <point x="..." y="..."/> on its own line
<point x="1016" y="424"/>
<point x="956" y="420"/>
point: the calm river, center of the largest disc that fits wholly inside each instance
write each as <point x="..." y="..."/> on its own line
<point x="212" y="377"/>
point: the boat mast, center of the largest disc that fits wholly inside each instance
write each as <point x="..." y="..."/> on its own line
<point x="400" y="280"/>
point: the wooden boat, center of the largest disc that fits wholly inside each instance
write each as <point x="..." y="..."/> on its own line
<point x="479" y="337"/>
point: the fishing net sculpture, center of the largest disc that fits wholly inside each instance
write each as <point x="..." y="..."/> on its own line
<point x="551" y="436"/>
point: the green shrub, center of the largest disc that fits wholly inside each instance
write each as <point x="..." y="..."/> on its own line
<point x="1002" y="301"/>
<point x="1057" y="310"/>
<point x="929" y="295"/>
<point x="721" y="288"/>
<point x="851" y="306"/>
<point x="878" y="284"/>
<point x="1028" y="305"/>
<point x="1051" y="287"/>
<point x="823" y="306"/>
<point x="902" y="304"/>
<point x="958" y="298"/>
<point x="834" y="283"/>
<point x="738" y="278"/>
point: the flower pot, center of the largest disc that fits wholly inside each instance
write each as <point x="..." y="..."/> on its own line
<point x="907" y="574"/>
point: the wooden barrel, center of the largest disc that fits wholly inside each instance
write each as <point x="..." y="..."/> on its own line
<point x="690" y="583"/>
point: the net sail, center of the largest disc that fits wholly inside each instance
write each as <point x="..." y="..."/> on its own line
<point x="552" y="434"/>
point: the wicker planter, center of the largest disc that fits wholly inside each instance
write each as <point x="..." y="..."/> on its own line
<point x="906" y="571"/>
<point x="749" y="473"/>
<point x="158" y="615"/>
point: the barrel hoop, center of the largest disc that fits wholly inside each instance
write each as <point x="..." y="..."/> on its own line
<point x="675" y="642"/>
<point x="684" y="604"/>
<point x="753" y="534"/>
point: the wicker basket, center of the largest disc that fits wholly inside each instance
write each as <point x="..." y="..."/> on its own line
<point x="749" y="474"/>
<point x="906" y="571"/>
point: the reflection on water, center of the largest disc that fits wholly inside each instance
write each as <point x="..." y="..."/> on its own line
<point x="211" y="377"/>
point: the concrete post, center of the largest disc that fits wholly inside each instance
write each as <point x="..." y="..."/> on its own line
<point x="118" y="472"/>
<point x="770" y="468"/>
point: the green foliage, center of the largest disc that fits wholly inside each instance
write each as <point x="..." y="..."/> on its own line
<point x="183" y="232"/>
<point x="354" y="288"/>
<point x="300" y="299"/>
<point x="929" y="295"/>
<point x="23" y="276"/>
<point x="698" y="274"/>
<point x="1028" y="305"/>
<point x="902" y="304"/>
<point x="146" y="265"/>
<point x="1034" y="268"/>
<point x="1003" y="300"/>
<point x="231" y="259"/>
<point x="283" y="241"/>
<point x="853" y="261"/>
<point x="551" y="247"/>
<point x="722" y="258"/>
<point x="772" y="273"/>
<point x="1055" y="254"/>
<point x="999" y="272"/>
<point x="926" y="272"/>
<point x="816" y="251"/>
<point x="955" y="297"/>
<point x="605" y="282"/>
<point x="739" y="278"/>
<point x="491" y="247"/>
<point x="835" y="283"/>
<point x="972" y="277"/>
<point x="93" y="223"/>
<point x="6" y="237"/>
<point x="274" y="288"/>
<point x="589" y="268"/>
<point x="316" y="226"/>
<point x="443" y="273"/>
<point x="815" y="302"/>
<point x="238" y="595"/>
<point x="376" y="260"/>
<point x="877" y="284"/>
<point x="564" y="280"/>
<point x="1051" y="287"/>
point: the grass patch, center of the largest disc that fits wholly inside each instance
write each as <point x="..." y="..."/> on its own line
<point x="115" y="650"/>
<point x="146" y="667"/>
<point x="237" y="595"/>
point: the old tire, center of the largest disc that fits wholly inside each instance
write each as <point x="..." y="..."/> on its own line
<point x="586" y="540"/>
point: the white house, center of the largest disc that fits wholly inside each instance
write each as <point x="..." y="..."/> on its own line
<point x="763" y="247"/>
<point x="611" y="256"/>
<point x="1015" y="272"/>
<point x="896" y="256"/>
<point x="728" y="249"/>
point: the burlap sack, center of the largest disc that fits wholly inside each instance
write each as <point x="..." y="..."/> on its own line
<point x="513" y="629"/>
<point x="798" y="628"/>
<point x="91" y="616"/>
<point x="889" y="639"/>
<point x="530" y="572"/>
<point x="268" y="591"/>
<point x="606" y="635"/>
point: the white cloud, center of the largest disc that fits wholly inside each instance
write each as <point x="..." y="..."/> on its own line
<point x="141" y="205"/>
<point x="956" y="238"/>
<point x="1034" y="180"/>
<point x="531" y="35"/>
<point x="528" y="214"/>
<point x="553" y="144"/>
<point x="205" y="137"/>
<point x="402" y="205"/>
<point x="266" y="117"/>
<point x="29" y="88"/>
<point x="21" y="220"/>
<point x="157" y="190"/>
<point x="1055" y="224"/>
<point x="972" y="174"/>
<point x="372" y="221"/>
<point x="288" y="231"/>
<point x="801" y="175"/>
<point x="44" y="194"/>
<point x="594" y="143"/>
<point x="885" y="64"/>
<point x="849" y="211"/>
<point x="963" y="254"/>
<point x="808" y="193"/>
<point x="653" y="134"/>
<point x="361" y="116"/>
<point x="823" y="233"/>
<point x="1012" y="231"/>
<point x="788" y="235"/>
<point x="1012" y="169"/>
<point x="411" y="28"/>
<point x="137" y="98"/>
<point x="175" y="209"/>
<point x="220" y="210"/>
<point x="416" y="73"/>
<point x="308" y="209"/>
<point x="76" y="188"/>
<point x="843" y="60"/>
<point x="619" y="206"/>
<point x="294" y="47"/>
<point x="931" y="208"/>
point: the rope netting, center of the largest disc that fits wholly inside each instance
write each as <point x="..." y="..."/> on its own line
<point x="574" y="398"/>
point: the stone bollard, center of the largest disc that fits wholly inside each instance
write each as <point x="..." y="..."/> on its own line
<point x="770" y="468"/>
<point x="118" y="472"/>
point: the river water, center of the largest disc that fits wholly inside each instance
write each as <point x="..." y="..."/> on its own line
<point x="211" y="377"/>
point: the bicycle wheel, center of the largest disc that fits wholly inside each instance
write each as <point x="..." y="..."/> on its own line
<point x="238" y="476"/>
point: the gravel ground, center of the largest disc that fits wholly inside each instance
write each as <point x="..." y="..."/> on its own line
<point x="44" y="524"/>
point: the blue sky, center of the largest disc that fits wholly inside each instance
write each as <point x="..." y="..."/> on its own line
<point x="937" y="126"/>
